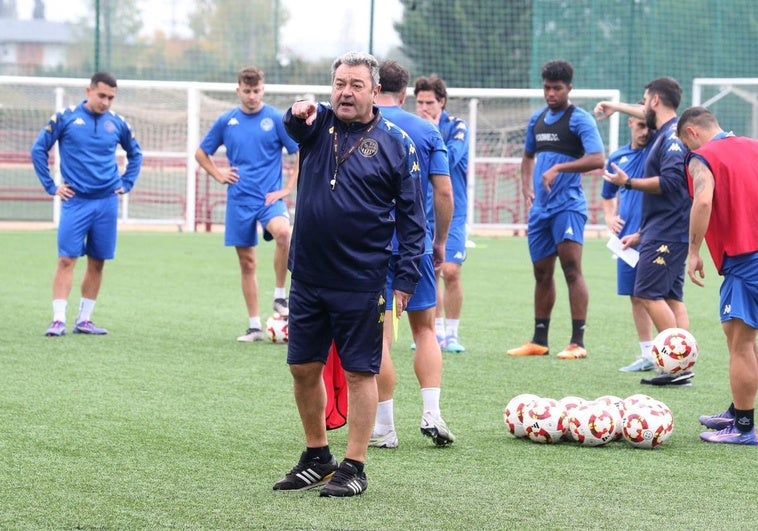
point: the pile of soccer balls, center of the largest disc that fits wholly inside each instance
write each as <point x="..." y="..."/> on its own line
<point x="641" y="420"/>
<point x="276" y="329"/>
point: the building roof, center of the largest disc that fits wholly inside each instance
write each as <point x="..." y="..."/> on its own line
<point x="35" y="31"/>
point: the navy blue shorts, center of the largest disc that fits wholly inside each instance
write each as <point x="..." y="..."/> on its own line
<point x="354" y="319"/>
<point x="660" y="271"/>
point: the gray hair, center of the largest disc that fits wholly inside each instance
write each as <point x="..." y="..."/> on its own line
<point x="356" y="59"/>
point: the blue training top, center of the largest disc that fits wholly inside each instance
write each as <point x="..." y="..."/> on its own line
<point x="87" y="143"/>
<point x="346" y="214"/>
<point x="455" y="134"/>
<point x="632" y="161"/>
<point x="666" y="216"/>
<point x="432" y="157"/>
<point x="254" y="145"/>
<point x="566" y="193"/>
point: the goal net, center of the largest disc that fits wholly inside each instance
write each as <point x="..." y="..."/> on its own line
<point x="734" y="101"/>
<point x="170" y="118"/>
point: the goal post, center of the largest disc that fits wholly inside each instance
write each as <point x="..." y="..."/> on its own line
<point x="170" y="118"/>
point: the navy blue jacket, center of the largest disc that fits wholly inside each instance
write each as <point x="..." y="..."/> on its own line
<point x="342" y="234"/>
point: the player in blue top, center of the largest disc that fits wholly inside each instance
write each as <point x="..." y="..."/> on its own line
<point x="359" y="185"/>
<point x="87" y="135"/>
<point x="254" y="136"/>
<point x="431" y="99"/>
<point x="562" y="143"/>
<point x="438" y="191"/>
<point x="623" y="215"/>
<point x="663" y="237"/>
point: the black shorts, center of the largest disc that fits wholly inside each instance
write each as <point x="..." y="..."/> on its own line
<point x="660" y="271"/>
<point x="354" y="319"/>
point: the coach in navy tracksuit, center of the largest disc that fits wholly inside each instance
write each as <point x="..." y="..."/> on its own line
<point x="359" y="182"/>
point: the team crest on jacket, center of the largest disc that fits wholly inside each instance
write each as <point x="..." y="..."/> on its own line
<point x="267" y="124"/>
<point x="368" y="148"/>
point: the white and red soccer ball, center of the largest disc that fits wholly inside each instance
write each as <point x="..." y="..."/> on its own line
<point x="675" y="350"/>
<point x="594" y="423"/>
<point x="276" y="329"/>
<point x="545" y="421"/>
<point x="647" y="424"/>
<point x="513" y="415"/>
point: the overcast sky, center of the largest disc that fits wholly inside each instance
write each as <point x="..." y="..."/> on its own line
<point x="316" y="28"/>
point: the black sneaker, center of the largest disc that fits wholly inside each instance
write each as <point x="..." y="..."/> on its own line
<point x="681" y="379"/>
<point x="347" y="481"/>
<point x="307" y="474"/>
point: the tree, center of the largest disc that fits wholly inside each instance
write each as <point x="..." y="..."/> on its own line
<point x="467" y="44"/>
<point x="238" y="36"/>
<point x="119" y="44"/>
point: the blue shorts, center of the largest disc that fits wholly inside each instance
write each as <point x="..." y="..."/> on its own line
<point x="425" y="296"/>
<point x="241" y="229"/>
<point x="455" y="248"/>
<point x="739" y="292"/>
<point x="545" y="234"/>
<point x="660" y="271"/>
<point x="88" y="227"/>
<point x="354" y="319"/>
<point x="625" y="276"/>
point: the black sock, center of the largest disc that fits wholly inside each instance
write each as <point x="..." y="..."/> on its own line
<point x="357" y="464"/>
<point x="730" y="409"/>
<point x="541" y="327"/>
<point x="577" y="331"/>
<point x="322" y="453"/>
<point x="744" y="419"/>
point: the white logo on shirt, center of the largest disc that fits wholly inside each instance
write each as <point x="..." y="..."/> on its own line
<point x="233" y="121"/>
<point x="78" y="121"/>
<point x="674" y="147"/>
<point x="267" y="124"/>
<point x="570" y="231"/>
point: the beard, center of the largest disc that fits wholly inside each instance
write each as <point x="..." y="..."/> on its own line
<point x="650" y="119"/>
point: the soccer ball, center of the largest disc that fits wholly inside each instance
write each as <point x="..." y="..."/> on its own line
<point x="637" y="399"/>
<point x="514" y="411"/>
<point x="648" y="426"/>
<point x="594" y="423"/>
<point x="276" y="329"/>
<point x="675" y="350"/>
<point x="617" y="407"/>
<point x="570" y="402"/>
<point x="545" y="420"/>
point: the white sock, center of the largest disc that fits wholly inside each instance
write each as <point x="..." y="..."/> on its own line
<point x="431" y="398"/>
<point x="646" y="349"/>
<point x="280" y="293"/>
<point x="86" y="307"/>
<point x="59" y="310"/>
<point x="439" y="326"/>
<point x="255" y="322"/>
<point x="385" y="417"/>
<point x="451" y="325"/>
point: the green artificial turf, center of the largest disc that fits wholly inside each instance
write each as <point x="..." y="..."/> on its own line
<point x="168" y="422"/>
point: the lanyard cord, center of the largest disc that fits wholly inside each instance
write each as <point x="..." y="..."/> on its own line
<point x="338" y="161"/>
